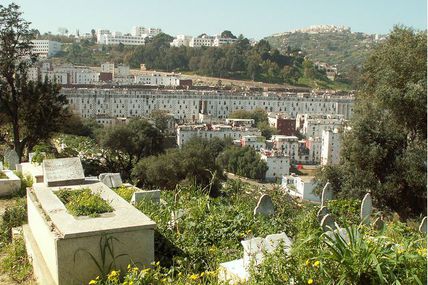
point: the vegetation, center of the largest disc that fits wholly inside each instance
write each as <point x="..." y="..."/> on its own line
<point x="385" y="149"/>
<point x="16" y="262"/>
<point x="125" y="192"/>
<point x="243" y="161"/>
<point x="260" y="118"/>
<point x="30" y="111"/>
<point x="3" y="176"/>
<point x="347" y="50"/>
<point x="83" y="202"/>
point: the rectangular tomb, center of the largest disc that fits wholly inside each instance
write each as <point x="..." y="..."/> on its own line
<point x="67" y="245"/>
<point x="9" y="183"/>
<point x="63" y="171"/>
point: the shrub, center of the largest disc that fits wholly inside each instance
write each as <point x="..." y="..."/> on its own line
<point x="83" y="202"/>
<point x="13" y="216"/>
<point x="26" y="181"/>
<point x="125" y="192"/>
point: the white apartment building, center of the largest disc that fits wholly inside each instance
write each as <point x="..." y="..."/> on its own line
<point x="240" y="122"/>
<point x="45" y="48"/>
<point x="314" y="146"/>
<point x="218" y="41"/>
<point x="122" y="70"/>
<point x="57" y="77"/>
<point x="256" y="142"/>
<point x="78" y="75"/>
<point x="181" y="40"/>
<point x="118" y="38"/>
<point x="203" y="41"/>
<point x="330" y="147"/>
<point x="186" y="132"/>
<point x="278" y="164"/>
<point x="288" y="145"/>
<point x="139" y="31"/>
<point x="107" y="67"/>
<point x="312" y="125"/>
<point x="186" y="105"/>
<point x="300" y="186"/>
<point x="158" y="79"/>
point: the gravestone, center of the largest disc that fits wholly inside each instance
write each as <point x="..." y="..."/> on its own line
<point x="1" y="165"/>
<point x="342" y="232"/>
<point x="12" y="158"/>
<point x="378" y="224"/>
<point x="175" y="217"/>
<point x="138" y="196"/>
<point x="111" y="180"/>
<point x="321" y="213"/>
<point x="423" y="226"/>
<point x="327" y="223"/>
<point x="366" y="209"/>
<point x="264" y="206"/>
<point x="327" y="194"/>
<point x="253" y="251"/>
<point x="63" y="172"/>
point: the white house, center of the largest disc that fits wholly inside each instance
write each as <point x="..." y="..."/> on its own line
<point x="300" y="186"/>
<point x="278" y="164"/>
<point x="204" y="40"/>
<point x="330" y="147"/>
<point x="312" y="125"/>
<point x="45" y="48"/>
<point x="288" y="145"/>
<point x="256" y="142"/>
<point x="181" y="40"/>
<point x="158" y="79"/>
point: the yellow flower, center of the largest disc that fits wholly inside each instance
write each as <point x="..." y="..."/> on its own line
<point x="114" y="275"/>
<point x="194" y="276"/>
<point x="179" y="274"/>
<point x="129" y="266"/>
<point x="131" y="282"/>
<point x="310" y="281"/>
<point x="308" y="262"/>
<point x="317" y="263"/>
<point x="202" y="274"/>
<point x="93" y="282"/>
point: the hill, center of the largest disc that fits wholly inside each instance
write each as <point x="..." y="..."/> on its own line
<point x="345" y="49"/>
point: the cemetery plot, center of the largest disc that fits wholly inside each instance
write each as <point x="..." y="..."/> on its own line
<point x="9" y="183"/>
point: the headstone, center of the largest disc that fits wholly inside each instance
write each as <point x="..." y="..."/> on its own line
<point x="138" y="196"/>
<point x="12" y="158"/>
<point x="175" y="217"/>
<point x="327" y="223"/>
<point x="366" y="209"/>
<point x="112" y="180"/>
<point x="264" y="206"/>
<point x="253" y="251"/>
<point x="327" y="194"/>
<point x="63" y="172"/>
<point x="1" y="165"/>
<point x="378" y="224"/>
<point x="342" y="232"/>
<point x="321" y="213"/>
<point x="423" y="226"/>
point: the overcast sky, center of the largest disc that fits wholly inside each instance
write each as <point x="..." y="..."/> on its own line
<point x="253" y="19"/>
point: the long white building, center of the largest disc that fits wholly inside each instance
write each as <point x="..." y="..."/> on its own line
<point x="45" y="48"/>
<point x="330" y="147"/>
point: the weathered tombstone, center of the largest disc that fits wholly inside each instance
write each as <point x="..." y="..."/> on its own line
<point x="111" y="180"/>
<point x="327" y="194"/>
<point x="1" y="165"/>
<point x="63" y="172"/>
<point x="378" y="224"/>
<point x="12" y="158"/>
<point x="253" y="251"/>
<point x="366" y="209"/>
<point x="342" y="232"/>
<point x="321" y="213"/>
<point x="138" y="196"/>
<point x="264" y="206"/>
<point x="423" y="226"/>
<point x="327" y="223"/>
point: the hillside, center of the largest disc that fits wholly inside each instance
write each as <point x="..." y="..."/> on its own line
<point x="345" y="49"/>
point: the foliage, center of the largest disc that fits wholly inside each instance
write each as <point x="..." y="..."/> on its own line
<point x="125" y="192"/>
<point x="385" y="149"/>
<point x="3" y="176"/>
<point x="346" y="211"/>
<point x="16" y="262"/>
<point x="125" y="145"/>
<point x="243" y="161"/>
<point x="33" y="110"/>
<point x="194" y="163"/>
<point x="26" y="181"/>
<point x="83" y="202"/>
<point x="13" y="216"/>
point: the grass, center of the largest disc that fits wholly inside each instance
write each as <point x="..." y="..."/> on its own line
<point x="83" y="202"/>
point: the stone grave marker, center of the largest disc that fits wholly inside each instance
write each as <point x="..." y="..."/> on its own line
<point x="111" y="180"/>
<point x="327" y="194"/>
<point x="321" y="213"/>
<point x="341" y="231"/>
<point x="366" y="209"/>
<point x="1" y="165"/>
<point x="12" y="158"/>
<point x="264" y="206"/>
<point x="378" y="224"/>
<point x="327" y="223"/>
<point x="138" y="196"/>
<point x="63" y="172"/>
<point x="253" y="251"/>
<point x="423" y="226"/>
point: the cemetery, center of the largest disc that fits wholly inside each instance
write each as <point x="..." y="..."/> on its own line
<point x="184" y="236"/>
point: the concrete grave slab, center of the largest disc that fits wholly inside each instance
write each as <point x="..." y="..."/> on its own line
<point x="265" y="206"/>
<point x="63" y="172"/>
<point x="112" y="180"/>
<point x="9" y="185"/>
<point x="138" y="196"/>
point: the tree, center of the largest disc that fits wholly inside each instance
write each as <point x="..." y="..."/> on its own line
<point x="386" y="149"/>
<point x="34" y="110"/>
<point x="227" y="34"/>
<point x="128" y="144"/>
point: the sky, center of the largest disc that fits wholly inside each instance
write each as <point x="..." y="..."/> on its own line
<point x="254" y="19"/>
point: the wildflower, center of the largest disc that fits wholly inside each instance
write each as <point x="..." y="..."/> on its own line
<point x="310" y="281"/>
<point x="194" y="276"/>
<point x="113" y="276"/>
<point x="308" y="262"/>
<point x="202" y="274"/>
<point x="93" y="282"/>
<point x="317" y="263"/>
<point x="179" y="274"/>
<point x="129" y="266"/>
<point x="422" y="251"/>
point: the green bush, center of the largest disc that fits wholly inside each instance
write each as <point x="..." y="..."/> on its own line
<point x="26" y="181"/>
<point x="83" y="202"/>
<point x="15" y="263"/>
<point x="125" y="192"/>
<point x="14" y="216"/>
